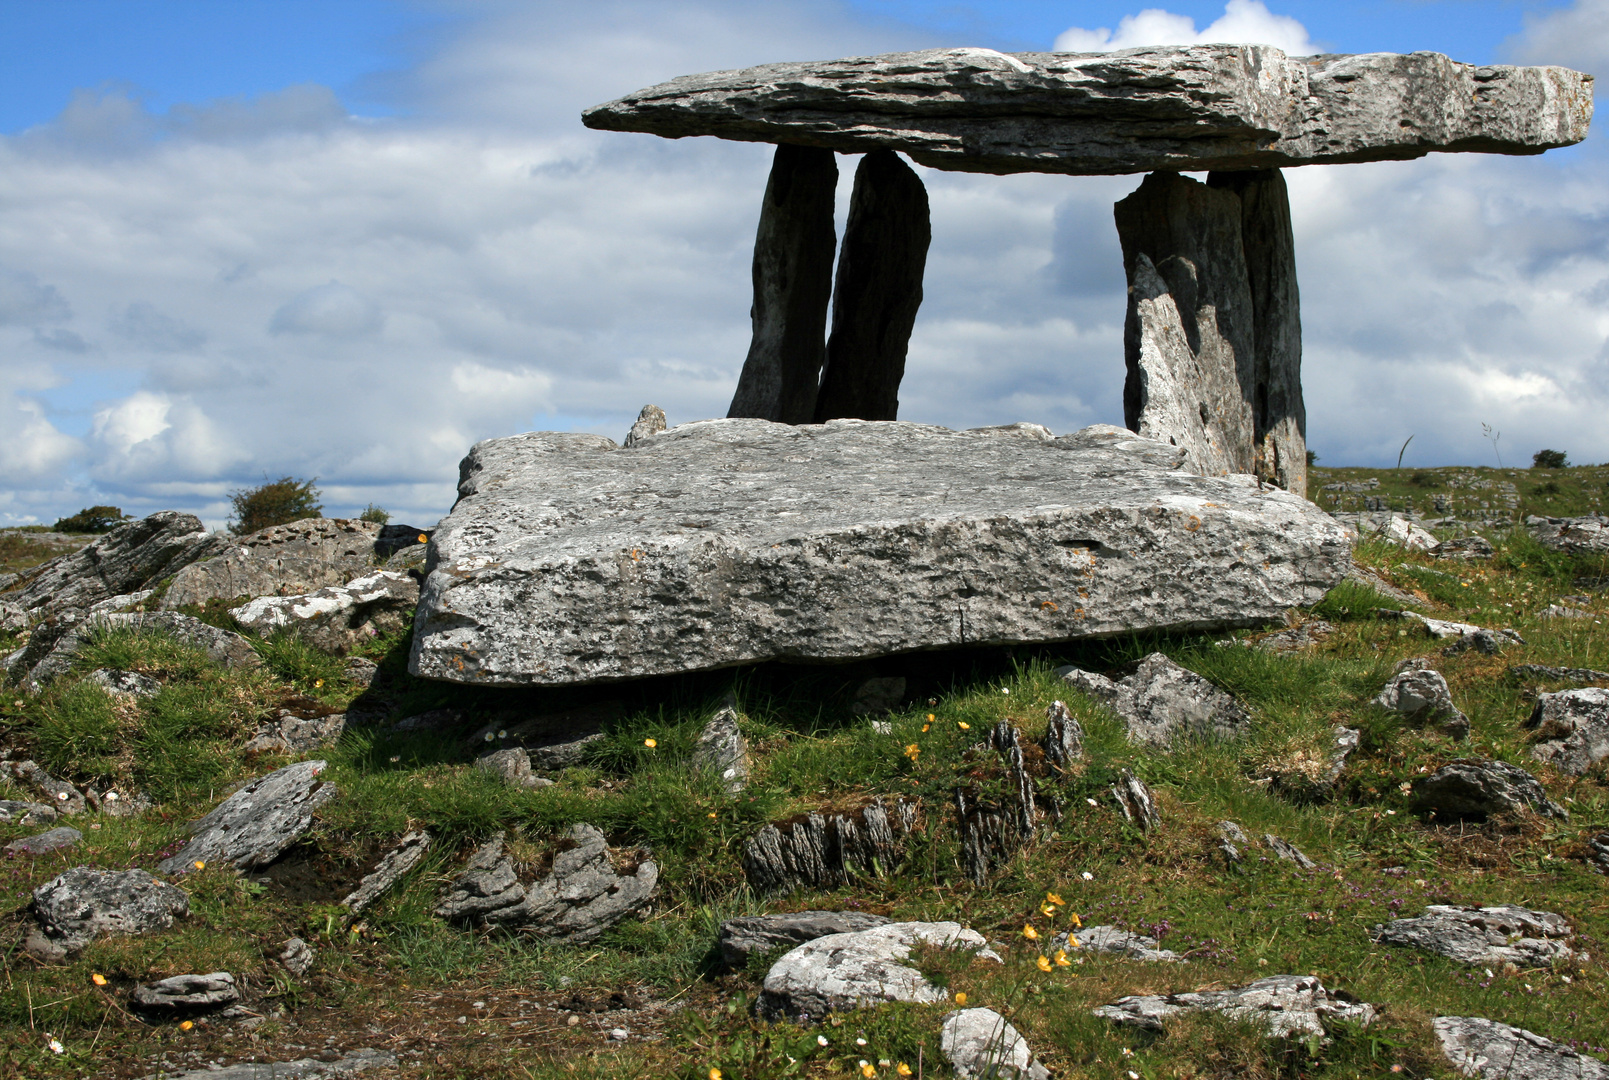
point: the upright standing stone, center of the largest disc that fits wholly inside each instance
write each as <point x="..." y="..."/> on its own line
<point x="793" y="252"/>
<point x="1278" y="415"/>
<point x="878" y="290"/>
<point x="1187" y="338"/>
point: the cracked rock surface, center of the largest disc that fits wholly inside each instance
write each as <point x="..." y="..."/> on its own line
<point x="82" y="904"/>
<point x="1421" y="695"/>
<point x="750" y="935"/>
<point x="980" y="1043"/>
<point x="1483" y="935"/>
<point x="1283" y="1004"/>
<point x="336" y="617"/>
<point x="1162" y="701"/>
<point x="1572" y="729"/>
<point x="1479" y="788"/>
<point x="256" y="824"/>
<point x="188" y="993"/>
<point x="1484" y="1048"/>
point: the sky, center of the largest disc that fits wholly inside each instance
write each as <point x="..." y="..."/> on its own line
<point x="346" y="239"/>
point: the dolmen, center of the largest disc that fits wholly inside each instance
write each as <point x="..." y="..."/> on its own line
<point x="1212" y="340"/>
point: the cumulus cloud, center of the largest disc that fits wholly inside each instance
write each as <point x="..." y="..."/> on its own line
<point x="144" y="326"/>
<point x="1243" y="22"/>
<point x="1576" y="36"/>
<point x="25" y="301"/>
<point x="334" y="310"/>
<point x="149" y="439"/>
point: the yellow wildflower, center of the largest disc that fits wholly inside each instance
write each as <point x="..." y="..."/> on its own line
<point x="961" y="998"/>
<point x="650" y="743"/>
<point x="715" y="1074"/>
<point x="1052" y="898"/>
<point x="318" y="683"/>
<point x="963" y="725"/>
<point x="868" y="1070"/>
<point x="98" y="979"/>
<point x="712" y="813"/>
<point x="423" y="539"/>
<point x="1061" y="958"/>
<point x="903" y="1069"/>
<point x="1047" y="911"/>
<point x="200" y="865"/>
<point x="1042" y="964"/>
<point x="912" y="750"/>
<point x="186" y="1026"/>
<point x="1072" y="917"/>
<point x="1029" y="932"/>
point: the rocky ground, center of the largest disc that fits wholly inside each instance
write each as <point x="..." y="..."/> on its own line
<point x="1373" y="841"/>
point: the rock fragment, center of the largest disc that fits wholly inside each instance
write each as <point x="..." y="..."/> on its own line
<point x="980" y="1043"/>
<point x="348" y="1064"/>
<point x="1479" y="788"/>
<point x="61" y="796"/>
<point x="256" y="824"/>
<point x="82" y="904"/>
<point x="337" y="617"/>
<point x="1288" y="852"/>
<point x="26" y="813"/>
<point x="650" y="422"/>
<point x="849" y="971"/>
<point x="1598" y="853"/>
<point x="1162" y="701"/>
<point x="1136" y="802"/>
<point x="130" y="557"/>
<point x="128" y="684"/>
<point x="49" y="656"/>
<point x="1284" y="1004"/>
<point x="1473" y="546"/>
<point x="1572" y="729"/>
<point x="407" y="854"/>
<point x="1484" y="1048"/>
<point x="753" y="935"/>
<point x="1116" y="942"/>
<point x="1483" y="935"/>
<point x="1420" y="694"/>
<point x="1558" y="674"/>
<point x="1575" y="536"/>
<point x="822" y="851"/>
<point x="297" y="957"/>
<point x="1231" y="838"/>
<point x="289" y="733"/>
<point x="1063" y="743"/>
<point x="1562" y="611"/>
<point x="721" y="749"/>
<point x="1399" y="530"/>
<point x="46" y="842"/>
<point x="187" y="994"/>
<point x="282" y="560"/>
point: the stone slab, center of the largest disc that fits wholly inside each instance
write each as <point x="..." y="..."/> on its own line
<point x="569" y="560"/>
<point x="1199" y="107"/>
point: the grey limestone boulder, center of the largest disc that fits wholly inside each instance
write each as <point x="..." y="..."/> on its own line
<point x="752" y="935"/>
<point x="187" y="994"/>
<point x="1421" y="695"/>
<point x="46" y="842"/>
<point x="568" y="559"/>
<point x="128" y="684"/>
<point x="1598" y="853"/>
<point x="722" y="750"/>
<point x="1116" y="942"/>
<point x="1583" y="535"/>
<point x="1162" y="701"/>
<point x="1200" y="107"/>
<point x="298" y="956"/>
<point x="348" y="1064"/>
<point x="840" y="972"/>
<point x="825" y="850"/>
<point x="980" y="1043"/>
<point x="1284" y="1005"/>
<point x="62" y="797"/>
<point x="282" y="560"/>
<point x="1479" y="788"/>
<point x="288" y="732"/>
<point x="1484" y="1048"/>
<point x="337" y="617"/>
<point x="1473" y="546"/>
<point x="1572" y="729"/>
<point x="650" y="422"/>
<point x="131" y="557"/>
<point x="26" y="813"/>
<point x="82" y="904"/>
<point x="256" y="824"/>
<point x="1483" y="935"/>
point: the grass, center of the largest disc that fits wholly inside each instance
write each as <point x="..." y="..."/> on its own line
<point x="1472" y="494"/>
<point x="401" y="978"/>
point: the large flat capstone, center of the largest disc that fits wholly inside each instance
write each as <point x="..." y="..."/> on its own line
<point x="1199" y="107"/>
<point x="568" y="559"/>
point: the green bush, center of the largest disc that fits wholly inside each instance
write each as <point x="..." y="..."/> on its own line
<point x="275" y="502"/>
<point x="375" y="514"/>
<point x="1549" y="459"/>
<point x="92" y="519"/>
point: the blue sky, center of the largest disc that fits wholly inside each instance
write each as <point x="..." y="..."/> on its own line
<point x="348" y="238"/>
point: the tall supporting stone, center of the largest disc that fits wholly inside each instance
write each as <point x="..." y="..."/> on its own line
<point x="1278" y="415"/>
<point x="1188" y="335"/>
<point x="793" y="252"/>
<point x="878" y="291"/>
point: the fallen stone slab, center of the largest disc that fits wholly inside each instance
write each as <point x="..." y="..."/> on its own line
<point x="1192" y="108"/>
<point x="348" y="1064"/>
<point x="1162" y="702"/>
<point x="1479" y="788"/>
<point x="1483" y="935"/>
<point x="1420" y="694"/>
<point x="256" y="824"/>
<point x="1575" y="536"/>
<point x="1484" y="1048"/>
<point x="980" y="1043"/>
<point x="408" y="853"/>
<point x="722" y="750"/>
<point x="23" y="812"/>
<point x="1284" y="1004"/>
<point x="83" y="904"/>
<point x="1572" y="729"/>
<point x="127" y="559"/>
<point x="1115" y="942"/>
<point x="1563" y="611"/>
<point x="1288" y="852"/>
<point x="46" y="842"/>
<point x="754" y="935"/>
<point x="182" y="995"/>
<point x="840" y="972"/>
<point x="281" y="560"/>
<point x="337" y="617"/>
<point x="48" y="657"/>
<point x="570" y="560"/>
<point x="1463" y="635"/>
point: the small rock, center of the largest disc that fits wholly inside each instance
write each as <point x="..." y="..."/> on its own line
<point x="360" y="671"/>
<point x="1473" y="546"/>
<point x="512" y="766"/>
<point x="1492" y="1051"/>
<point x="721" y="749"/>
<point x="1231" y="837"/>
<point x="256" y="824"/>
<point x="1582" y="535"/>
<point x="397" y="862"/>
<point x="1479" y="788"/>
<point x="650" y="422"/>
<point x="1421" y="695"/>
<point x="1572" y="729"/>
<point x="65" y="798"/>
<point x="52" y="655"/>
<point x="186" y="994"/>
<point x="54" y="840"/>
<point x="1064" y="737"/>
<point x="1598" y="853"/>
<point x="26" y="813"/>
<point x="1134" y="799"/>
<point x="1399" y="530"/>
<point x="980" y="1043"/>
<point x="289" y="733"/>
<point x="80" y="905"/>
<point x="618" y="1034"/>
<point x="747" y="936"/>
<point x="1297" y="638"/>
<point x="1288" y="852"/>
<point x="119" y="804"/>
<point x="1284" y="1004"/>
<point x="1561" y="611"/>
<point x="124" y="683"/>
<point x="126" y="602"/>
<point x="849" y="971"/>
<point x="1463" y="635"/>
<point x="298" y="956"/>
<point x="1558" y="674"/>
<point x="1369" y="579"/>
<point x="1483" y="935"/>
<point x="878" y="696"/>
<point x="1109" y="939"/>
<point x="1162" y="701"/>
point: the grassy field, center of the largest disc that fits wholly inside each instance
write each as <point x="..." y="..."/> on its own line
<point x="1489" y="495"/>
<point x="452" y="1003"/>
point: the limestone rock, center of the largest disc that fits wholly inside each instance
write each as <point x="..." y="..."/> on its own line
<point x="124" y="683"/>
<point x="1231" y="838"/>
<point x="722" y="750"/>
<point x="486" y="884"/>
<point x="1421" y="695"/>
<point x="821" y="851"/>
<point x="1288" y="852"/>
<point x="289" y="733"/>
<point x="1562" y="611"/>
<point x="130" y="557"/>
<point x="650" y="422"/>
<point x="393" y="540"/>
<point x="1473" y="546"/>
<point x="1162" y="701"/>
<point x="748" y="936"/>
<point x="1116" y="942"/>
<point x="360" y="671"/>
<point x="980" y="1043"/>
<point x="1399" y="530"/>
<point x="298" y="956"/>
<point x="63" y="797"/>
<point x="1575" y="536"/>
<point x="1369" y="579"/>
<point x="187" y="994"/>
<point x="1191" y="108"/>
<point x="1478" y="788"/>
<point x="1284" y="1004"/>
<point x="255" y="824"/>
<point x="26" y="813"/>
<point x="1492" y="1051"/>
<point x="568" y="560"/>
<point x="408" y="853"/>
<point x="1136" y="802"/>
<point x="1483" y="935"/>
<point x="1296" y="638"/>
<point x="849" y="971"/>
<point x="49" y="656"/>
<point x="1462" y="635"/>
<point x="339" y="616"/>
<point x="82" y="904"/>
<point x="1064" y="737"/>
<point x="348" y="1064"/>
<point x="1598" y="853"/>
<point x="46" y="842"/>
<point x="1572" y="729"/>
<point x="282" y="560"/>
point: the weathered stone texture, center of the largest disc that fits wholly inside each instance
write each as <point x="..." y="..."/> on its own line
<point x="337" y="617"/>
<point x="1572" y="729"/>
<point x="748" y="936"/>
<point x="724" y="542"/>
<point x="281" y="560"/>
<point x="255" y="824"/>
<point x="793" y="257"/>
<point x="1192" y="108"/>
<point x="979" y="1043"/>
<point x="82" y="904"/>
<point x="129" y="558"/>
<point x="1162" y="701"/>
<point x="1496" y="935"/>
<point x="1487" y="1049"/>
<point x="1478" y="788"/>
<point x="1284" y="1004"/>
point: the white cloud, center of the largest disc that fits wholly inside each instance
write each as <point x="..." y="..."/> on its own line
<point x="24" y="301"/>
<point x="334" y="310"/>
<point x="1576" y="36"/>
<point x="1243" y="22"/>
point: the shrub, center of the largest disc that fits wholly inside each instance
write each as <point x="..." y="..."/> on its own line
<point x="1549" y="459"/>
<point x="1423" y="479"/>
<point x="92" y="519"/>
<point x="1312" y="458"/>
<point x="375" y="514"/>
<point x="274" y="503"/>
